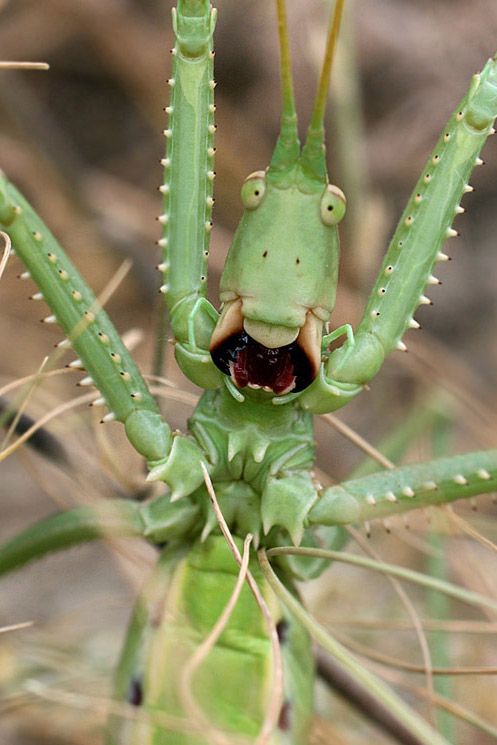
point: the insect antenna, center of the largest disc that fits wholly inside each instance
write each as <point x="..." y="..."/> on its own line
<point x="313" y="159"/>
<point x="287" y="150"/>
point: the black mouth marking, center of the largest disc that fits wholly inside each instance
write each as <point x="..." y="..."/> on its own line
<point x="278" y="370"/>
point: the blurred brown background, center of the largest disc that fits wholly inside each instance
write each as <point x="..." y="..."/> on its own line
<point x="83" y="142"/>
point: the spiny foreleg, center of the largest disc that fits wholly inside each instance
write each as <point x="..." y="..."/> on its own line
<point x="406" y="488"/>
<point x="100" y="349"/>
<point x="414" y="250"/>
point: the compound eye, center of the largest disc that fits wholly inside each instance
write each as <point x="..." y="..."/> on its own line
<point x="333" y="205"/>
<point x="253" y="190"/>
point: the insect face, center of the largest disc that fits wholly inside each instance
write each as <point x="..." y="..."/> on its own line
<point x="279" y="284"/>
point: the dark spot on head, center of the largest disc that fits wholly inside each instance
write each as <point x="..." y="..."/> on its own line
<point x="281" y="630"/>
<point x="297" y="261"/>
<point x="284" y="718"/>
<point x="264" y="254"/>
<point x="135" y="692"/>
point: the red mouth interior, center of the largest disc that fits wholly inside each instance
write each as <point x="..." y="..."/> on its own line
<point x="249" y="363"/>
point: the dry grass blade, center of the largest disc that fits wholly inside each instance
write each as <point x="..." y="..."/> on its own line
<point x="5" y="65"/>
<point x="6" y="252"/>
<point x="413" y="615"/>
<point x="465" y="527"/>
<point x="67" y="406"/>
<point x="23" y="404"/>
<point x="276" y="700"/>
<point x="16" y="627"/>
<point x="192" y="708"/>
<point x="356" y="439"/>
<point x="366" y="651"/>
<point x="104" y="707"/>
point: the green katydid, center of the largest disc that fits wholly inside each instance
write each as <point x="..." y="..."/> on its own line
<point x="266" y="366"/>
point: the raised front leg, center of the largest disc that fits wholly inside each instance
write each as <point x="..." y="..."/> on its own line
<point x="414" y="250"/>
<point x="188" y="178"/>
<point x="99" y="347"/>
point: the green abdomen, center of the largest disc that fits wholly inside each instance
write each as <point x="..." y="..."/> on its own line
<point x="231" y="689"/>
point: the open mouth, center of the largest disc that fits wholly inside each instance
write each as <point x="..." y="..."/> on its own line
<point x="249" y="363"/>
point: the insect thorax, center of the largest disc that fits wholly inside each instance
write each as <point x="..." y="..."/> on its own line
<point x="266" y="441"/>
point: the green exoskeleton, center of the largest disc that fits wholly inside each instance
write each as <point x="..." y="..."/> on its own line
<point x="266" y="367"/>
